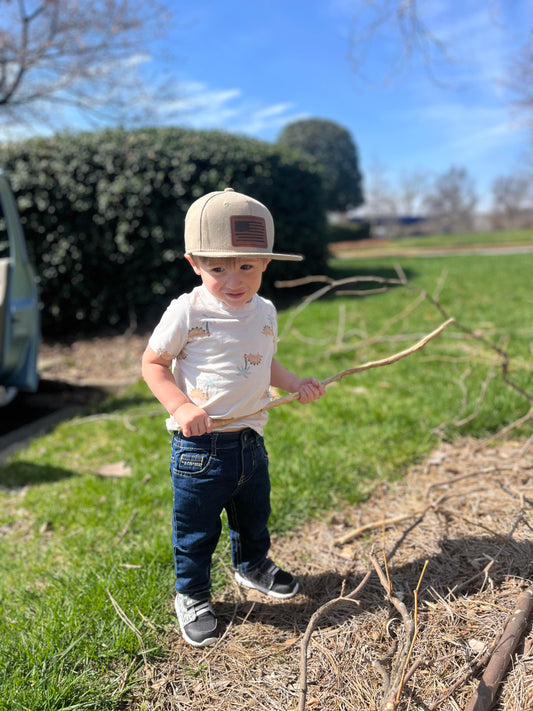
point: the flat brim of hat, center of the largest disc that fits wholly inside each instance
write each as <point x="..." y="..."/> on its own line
<point x="248" y="255"/>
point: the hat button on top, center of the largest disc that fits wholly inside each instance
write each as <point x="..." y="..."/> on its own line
<point x="229" y="190"/>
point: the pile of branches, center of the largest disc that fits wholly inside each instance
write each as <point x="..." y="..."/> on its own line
<point x="420" y="598"/>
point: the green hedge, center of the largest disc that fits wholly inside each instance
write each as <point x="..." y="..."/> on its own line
<point x="348" y="231"/>
<point x="103" y="215"/>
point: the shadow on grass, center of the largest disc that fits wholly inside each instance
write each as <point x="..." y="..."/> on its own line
<point x="115" y="403"/>
<point x="18" y="474"/>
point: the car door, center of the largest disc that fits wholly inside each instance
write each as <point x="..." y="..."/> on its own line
<point x="19" y="307"/>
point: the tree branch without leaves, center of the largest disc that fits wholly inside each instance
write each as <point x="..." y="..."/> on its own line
<point x="313" y="624"/>
<point x="400" y="673"/>
<point x="220" y="422"/>
<point x="57" y="53"/>
<point x="485" y="694"/>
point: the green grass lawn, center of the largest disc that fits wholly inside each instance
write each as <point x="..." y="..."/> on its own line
<point x="472" y="239"/>
<point x="85" y="564"/>
<point x="480" y="239"/>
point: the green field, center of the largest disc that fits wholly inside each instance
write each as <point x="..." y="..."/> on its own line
<point x="86" y="568"/>
<point x="481" y="239"/>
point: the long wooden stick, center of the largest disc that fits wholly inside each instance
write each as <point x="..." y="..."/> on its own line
<point x="221" y="422"/>
<point x="322" y="611"/>
<point x="485" y="694"/>
<point x="356" y="532"/>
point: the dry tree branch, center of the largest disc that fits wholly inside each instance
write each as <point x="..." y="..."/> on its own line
<point x="461" y="477"/>
<point x="434" y="505"/>
<point x="312" y="625"/>
<point x="390" y="359"/>
<point x="479" y="663"/>
<point x="483" y="391"/>
<point x="393" y="684"/>
<point x="350" y="371"/>
<point x="356" y="532"/>
<point x="505" y="360"/>
<point x="499" y="349"/>
<point x="396" y="318"/>
<point x="508" y="428"/>
<point x="413" y="640"/>
<point x="379" y="336"/>
<point x="476" y="576"/>
<point x="504" y="370"/>
<point x="332" y="284"/>
<point x="483" y="698"/>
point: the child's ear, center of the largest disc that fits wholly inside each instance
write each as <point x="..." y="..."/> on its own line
<point x="266" y="263"/>
<point x="193" y="265"/>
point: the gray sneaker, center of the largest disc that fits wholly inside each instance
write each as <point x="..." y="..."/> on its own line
<point x="269" y="579"/>
<point x="198" y="624"/>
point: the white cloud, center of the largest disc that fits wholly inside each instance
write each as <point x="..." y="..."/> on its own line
<point x="195" y="96"/>
<point x="268" y="120"/>
<point x="196" y="105"/>
<point x="273" y="111"/>
<point x="203" y="107"/>
<point x="467" y="130"/>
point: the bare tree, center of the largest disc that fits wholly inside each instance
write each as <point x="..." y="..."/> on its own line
<point x="381" y="209"/>
<point x="57" y="56"/>
<point x="409" y="30"/>
<point x="452" y="200"/>
<point x="402" y="33"/>
<point x="412" y="189"/>
<point x="521" y="81"/>
<point x="390" y="211"/>
<point x="513" y="201"/>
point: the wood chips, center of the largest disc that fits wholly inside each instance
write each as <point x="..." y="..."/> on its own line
<point x="467" y="511"/>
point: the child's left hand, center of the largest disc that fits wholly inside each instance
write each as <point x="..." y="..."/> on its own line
<point x="310" y="389"/>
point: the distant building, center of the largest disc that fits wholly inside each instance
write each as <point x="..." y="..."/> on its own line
<point x="392" y="226"/>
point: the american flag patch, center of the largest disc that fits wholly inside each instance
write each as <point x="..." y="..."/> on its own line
<point x="248" y="231"/>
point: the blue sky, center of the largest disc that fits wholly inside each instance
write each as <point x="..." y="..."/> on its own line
<point x="252" y="66"/>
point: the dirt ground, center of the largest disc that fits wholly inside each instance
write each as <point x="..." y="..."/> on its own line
<point x="455" y="541"/>
<point x="110" y="361"/>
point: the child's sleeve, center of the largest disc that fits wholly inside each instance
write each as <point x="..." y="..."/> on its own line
<point x="275" y="328"/>
<point x="170" y="335"/>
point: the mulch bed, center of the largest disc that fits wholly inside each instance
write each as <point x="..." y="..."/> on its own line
<point x="467" y="511"/>
<point x="108" y="361"/>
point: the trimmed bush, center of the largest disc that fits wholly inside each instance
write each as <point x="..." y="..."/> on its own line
<point x="348" y="231"/>
<point x="103" y="215"/>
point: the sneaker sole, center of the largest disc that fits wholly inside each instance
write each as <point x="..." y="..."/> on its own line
<point x="204" y="643"/>
<point x="271" y="593"/>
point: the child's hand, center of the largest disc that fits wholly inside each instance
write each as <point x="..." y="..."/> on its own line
<point x="193" y="420"/>
<point x="310" y="389"/>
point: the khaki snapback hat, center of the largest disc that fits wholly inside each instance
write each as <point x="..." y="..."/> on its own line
<point x="230" y="224"/>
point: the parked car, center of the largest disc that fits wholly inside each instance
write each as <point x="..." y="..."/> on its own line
<point x="20" y="326"/>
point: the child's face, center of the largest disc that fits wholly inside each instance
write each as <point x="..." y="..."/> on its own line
<point x="233" y="281"/>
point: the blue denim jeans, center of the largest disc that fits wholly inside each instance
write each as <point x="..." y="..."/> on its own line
<point x="210" y="473"/>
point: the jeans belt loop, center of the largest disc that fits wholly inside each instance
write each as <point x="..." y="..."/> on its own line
<point x="214" y="437"/>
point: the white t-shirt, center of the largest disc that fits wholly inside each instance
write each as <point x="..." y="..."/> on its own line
<point x="221" y="355"/>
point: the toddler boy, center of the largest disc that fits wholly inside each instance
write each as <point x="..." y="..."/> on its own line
<point x="211" y="357"/>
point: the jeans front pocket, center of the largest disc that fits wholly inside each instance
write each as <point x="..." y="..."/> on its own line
<point x="190" y="462"/>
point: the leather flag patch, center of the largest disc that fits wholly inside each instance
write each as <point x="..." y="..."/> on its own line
<point x="248" y="231"/>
